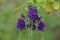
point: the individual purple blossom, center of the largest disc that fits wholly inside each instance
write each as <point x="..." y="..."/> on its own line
<point x="21" y="23"/>
<point x="41" y="26"/>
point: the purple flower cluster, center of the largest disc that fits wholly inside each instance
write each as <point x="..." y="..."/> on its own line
<point x="41" y="26"/>
<point x="21" y="23"/>
<point x="33" y="19"/>
<point x="33" y="16"/>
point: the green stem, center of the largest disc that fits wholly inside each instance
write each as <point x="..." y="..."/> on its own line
<point x="42" y="37"/>
<point x="19" y="36"/>
<point x="30" y="34"/>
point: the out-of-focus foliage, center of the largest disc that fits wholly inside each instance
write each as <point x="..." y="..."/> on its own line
<point x="2" y="1"/>
<point x="10" y="11"/>
<point x="50" y="1"/>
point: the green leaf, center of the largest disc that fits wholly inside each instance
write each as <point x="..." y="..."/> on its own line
<point x="34" y="1"/>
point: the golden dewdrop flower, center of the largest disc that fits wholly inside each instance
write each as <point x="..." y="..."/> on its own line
<point x="47" y="8"/>
<point x="56" y="5"/>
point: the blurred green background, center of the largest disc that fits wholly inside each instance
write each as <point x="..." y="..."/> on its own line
<point x="10" y="11"/>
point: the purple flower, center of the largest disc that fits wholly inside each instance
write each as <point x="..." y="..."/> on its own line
<point x="41" y="26"/>
<point x="32" y="14"/>
<point x="21" y="23"/>
<point x="33" y="18"/>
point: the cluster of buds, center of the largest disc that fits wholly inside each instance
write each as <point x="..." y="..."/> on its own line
<point x="35" y="21"/>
